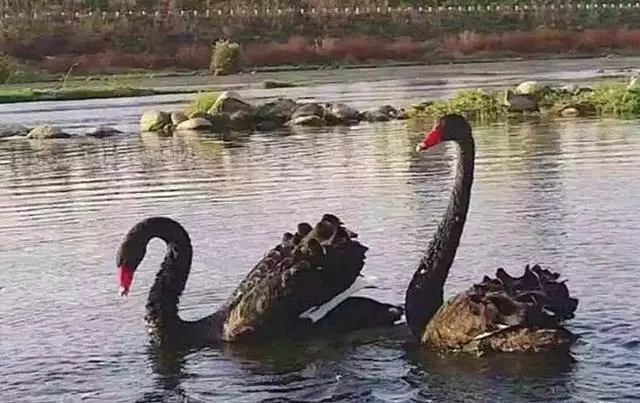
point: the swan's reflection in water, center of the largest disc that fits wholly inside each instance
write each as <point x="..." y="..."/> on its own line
<point x="391" y="367"/>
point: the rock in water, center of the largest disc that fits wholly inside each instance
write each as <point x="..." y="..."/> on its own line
<point x="308" y="109"/>
<point x="13" y="130"/>
<point x="309" y="120"/>
<point x="242" y="120"/>
<point x="374" y="115"/>
<point x="383" y="113"/>
<point x="178" y="117"/>
<point x="520" y="103"/>
<point x="219" y="121"/>
<point x="152" y="121"/>
<point x="103" y="131"/>
<point x="342" y="113"/>
<point x="530" y="88"/>
<point x="390" y="111"/>
<point x="47" y="132"/>
<point x="279" y="110"/>
<point x="194" y="124"/>
<point x="230" y="102"/>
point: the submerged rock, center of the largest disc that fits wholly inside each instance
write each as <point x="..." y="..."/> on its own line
<point x="269" y="84"/>
<point x="13" y="130"/>
<point x="103" y="131"/>
<point x="47" y="132"/>
<point x="576" y="109"/>
<point x="194" y="124"/>
<point x="152" y="120"/>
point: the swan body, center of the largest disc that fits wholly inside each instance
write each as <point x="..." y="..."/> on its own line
<point x="501" y="314"/>
<point x="301" y="287"/>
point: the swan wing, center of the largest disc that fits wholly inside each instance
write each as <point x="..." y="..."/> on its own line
<point x="302" y="278"/>
<point x="501" y="312"/>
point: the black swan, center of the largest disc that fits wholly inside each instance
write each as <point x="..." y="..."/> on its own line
<point x="502" y="314"/>
<point x="301" y="287"/>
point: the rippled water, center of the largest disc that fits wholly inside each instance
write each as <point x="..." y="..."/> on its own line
<point x="563" y="194"/>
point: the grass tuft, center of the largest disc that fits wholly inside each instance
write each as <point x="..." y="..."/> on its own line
<point x="608" y="99"/>
<point x="202" y="102"/>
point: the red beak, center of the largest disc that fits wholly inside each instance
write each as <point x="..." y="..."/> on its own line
<point x="125" y="277"/>
<point x="432" y="138"/>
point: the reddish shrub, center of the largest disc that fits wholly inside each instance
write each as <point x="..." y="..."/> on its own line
<point x="295" y="51"/>
<point x="405" y="49"/>
<point x="359" y="48"/>
<point x="193" y="56"/>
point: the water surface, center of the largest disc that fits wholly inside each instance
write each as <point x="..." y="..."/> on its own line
<point x="564" y="195"/>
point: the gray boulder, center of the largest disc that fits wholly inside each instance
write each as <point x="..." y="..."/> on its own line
<point x="341" y="113"/>
<point x="13" y="130"/>
<point x="103" y="131"/>
<point x="230" y="102"/>
<point x="279" y="110"/>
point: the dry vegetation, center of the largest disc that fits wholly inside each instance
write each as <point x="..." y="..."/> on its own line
<point x="104" y="44"/>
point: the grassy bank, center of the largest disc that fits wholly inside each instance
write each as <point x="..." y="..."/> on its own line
<point x="75" y="93"/>
<point x="618" y="99"/>
<point x="104" y="44"/>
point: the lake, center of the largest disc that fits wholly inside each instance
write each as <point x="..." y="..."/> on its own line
<point x="564" y="194"/>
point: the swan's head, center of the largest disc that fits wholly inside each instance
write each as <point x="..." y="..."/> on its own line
<point x="451" y="127"/>
<point x="128" y="258"/>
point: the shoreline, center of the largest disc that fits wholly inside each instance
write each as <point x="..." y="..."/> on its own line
<point x="133" y="74"/>
<point x="77" y="93"/>
<point x="123" y="84"/>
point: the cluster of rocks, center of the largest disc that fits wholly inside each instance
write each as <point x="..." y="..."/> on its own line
<point x="230" y="112"/>
<point x="530" y="96"/>
<point x="15" y="130"/>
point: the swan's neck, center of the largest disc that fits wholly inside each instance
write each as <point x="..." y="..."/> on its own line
<point x="425" y="292"/>
<point x="164" y="295"/>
